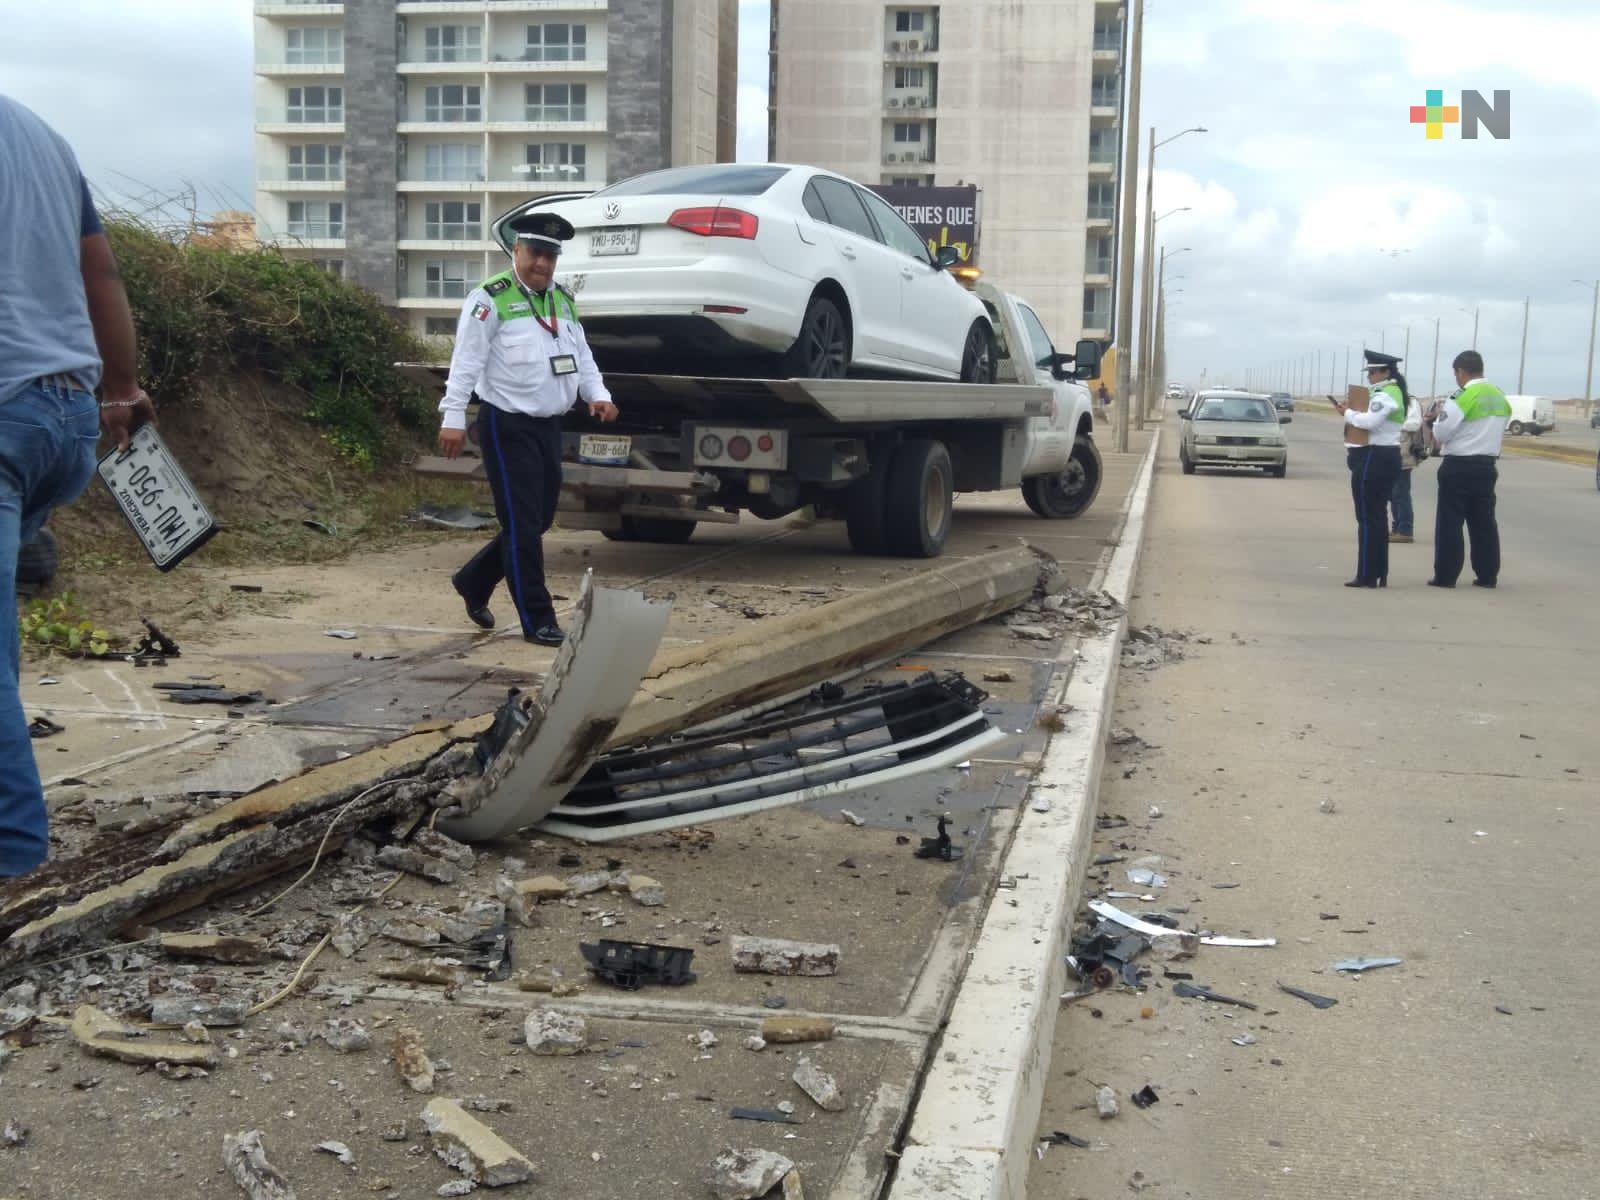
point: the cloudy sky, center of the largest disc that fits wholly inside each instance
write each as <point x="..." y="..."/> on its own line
<point x="1320" y="218"/>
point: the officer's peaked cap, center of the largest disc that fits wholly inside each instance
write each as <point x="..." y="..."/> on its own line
<point x="545" y="230"/>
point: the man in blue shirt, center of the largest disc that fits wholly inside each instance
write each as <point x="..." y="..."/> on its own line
<point x="65" y="329"/>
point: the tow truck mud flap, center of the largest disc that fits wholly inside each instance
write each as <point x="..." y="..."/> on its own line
<point x="829" y="743"/>
<point x="541" y="743"/>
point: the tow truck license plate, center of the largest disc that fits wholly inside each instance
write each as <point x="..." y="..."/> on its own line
<point x="157" y="499"/>
<point x="624" y="240"/>
<point x="604" y="449"/>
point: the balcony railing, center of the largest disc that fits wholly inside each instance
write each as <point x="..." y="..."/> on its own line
<point x="910" y="44"/>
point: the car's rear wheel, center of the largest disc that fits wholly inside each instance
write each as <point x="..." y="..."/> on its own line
<point x="822" y="351"/>
<point x="1514" y="427"/>
<point x="1070" y="492"/>
<point x="920" y="500"/>
<point x="652" y="529"/>
<point x="978" y="363"/>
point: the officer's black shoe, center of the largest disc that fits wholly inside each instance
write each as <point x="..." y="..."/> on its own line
<point x="1363" y="583"/>
<point x="1488" y="583"/>
<point x="546" y="635"/>
<point x="1439" y="583"/>
<point x="478" y="614"/>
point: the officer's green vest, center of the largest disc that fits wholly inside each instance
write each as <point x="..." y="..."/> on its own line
<point x="1392" y="390"/>
<point x="511" y="303"/>
<point x="1480" y="400"/>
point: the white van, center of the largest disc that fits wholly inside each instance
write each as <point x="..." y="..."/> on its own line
<point x="1531" y="414"/>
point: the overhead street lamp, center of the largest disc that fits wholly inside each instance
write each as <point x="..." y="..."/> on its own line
<point x="1146" y="332"/>
<point x="1474" y="311"/>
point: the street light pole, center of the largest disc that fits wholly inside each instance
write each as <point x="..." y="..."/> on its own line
<point x="1588" y="374"/>
<point x="1147" y="392"/>
<point x="1522" y="362"/>
<point x="1433" y="386"/>
<point x="1130" y="174"/>
<point x="1146" y="332"/>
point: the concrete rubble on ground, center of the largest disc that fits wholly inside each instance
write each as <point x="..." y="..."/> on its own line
<point x="549" y="1032"/>
<point x="747" y="1174"/>
<point x="777" y="956"/>
<point x="246" y="1161"/>
<point x="819" y="1085"/>
<point x="463" y="1142"/>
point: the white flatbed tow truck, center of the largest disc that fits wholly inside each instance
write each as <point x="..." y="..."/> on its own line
<point x="886" y="456"/>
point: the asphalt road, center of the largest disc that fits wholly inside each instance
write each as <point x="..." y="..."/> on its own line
<point x="1404" y="772"/>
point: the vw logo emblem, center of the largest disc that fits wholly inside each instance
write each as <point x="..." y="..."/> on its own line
<point x="613" y="210"/>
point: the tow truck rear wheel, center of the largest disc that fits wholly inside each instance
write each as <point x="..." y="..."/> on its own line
<point x="920" y="499"/>
<point x="1069" y="493"/>
<point x="652" y="529"/>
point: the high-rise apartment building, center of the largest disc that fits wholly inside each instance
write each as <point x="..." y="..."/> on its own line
<point x="1021" y="97"/>
<point x="391" y="133"/>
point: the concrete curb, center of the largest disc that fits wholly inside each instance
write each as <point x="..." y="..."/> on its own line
<point x="972" y="1133"/>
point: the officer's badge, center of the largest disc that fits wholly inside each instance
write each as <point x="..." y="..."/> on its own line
<point x="498" y="286"/>
<point x="481" y="311"/>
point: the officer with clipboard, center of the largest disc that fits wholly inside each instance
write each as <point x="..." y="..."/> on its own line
<point x="520" y="347"/>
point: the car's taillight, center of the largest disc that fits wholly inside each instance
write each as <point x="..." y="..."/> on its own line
<point x="715" y="222"/>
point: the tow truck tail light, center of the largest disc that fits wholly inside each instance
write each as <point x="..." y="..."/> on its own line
<point x="720" y="221"/>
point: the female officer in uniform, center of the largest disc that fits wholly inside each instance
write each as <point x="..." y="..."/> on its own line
<point x="1374" y="466"/>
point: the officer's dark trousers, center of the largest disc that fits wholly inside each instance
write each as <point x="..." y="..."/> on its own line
<point x="1466" y="494"/>
<point x="522" y="457"/>
<point x="1372" y="475"/>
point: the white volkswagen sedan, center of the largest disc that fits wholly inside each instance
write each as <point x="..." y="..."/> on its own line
<point x="747" y="262"/>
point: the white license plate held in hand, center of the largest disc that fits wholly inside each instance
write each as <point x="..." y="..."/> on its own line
<point x="157" y="499"/>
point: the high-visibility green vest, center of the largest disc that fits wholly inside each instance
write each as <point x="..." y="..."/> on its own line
<point x="1481" y="399"/>
<point x="512" y="303"/>
<point x="1392" y="390"/>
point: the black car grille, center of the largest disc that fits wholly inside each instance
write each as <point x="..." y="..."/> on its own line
<point x="1238" y="441"/>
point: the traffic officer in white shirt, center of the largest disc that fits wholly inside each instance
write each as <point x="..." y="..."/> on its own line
<point x="1469" y="427"/>
<point x="1374" y="466"/>
<point x="520" y="347"/>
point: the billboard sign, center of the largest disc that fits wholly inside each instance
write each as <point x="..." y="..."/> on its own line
<point x="944" y="216"/>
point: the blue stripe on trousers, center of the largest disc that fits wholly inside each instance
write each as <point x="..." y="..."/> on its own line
<point x="1361" y="541"/>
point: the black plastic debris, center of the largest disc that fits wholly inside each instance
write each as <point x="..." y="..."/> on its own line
<point x="1061" y="1137"/>
<point x="1166" y="974"/>
<point x="1145" y="1097"/>
<point x="631" y="965"/>
<point x="1200" y="992"/>
<point x="771" y="1115"/>
<point x="43" y="727"/>
<point x="940" y="847"/>
<point x="1310" y="998"/>
<point x="206" y="693"/>
<point x="154" y="648"/>
<point x="1105" y="955"/>
<point x="509" y="720"/>
<point x="490" y="952"/>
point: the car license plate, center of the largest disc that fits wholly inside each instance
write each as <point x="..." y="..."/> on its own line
<point x="157" y="499"/>
<point x="1238" y="452"/>
<point x="604" y="450"/>
<point x="624" y="240"/>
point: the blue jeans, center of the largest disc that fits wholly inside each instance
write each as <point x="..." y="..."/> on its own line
<point x="47" y="440"/>
<point x="1400" y="501"/>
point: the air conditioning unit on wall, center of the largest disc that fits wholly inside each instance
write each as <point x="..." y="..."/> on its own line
<point x="894" y="102"/>
<point x="914" y="44"/>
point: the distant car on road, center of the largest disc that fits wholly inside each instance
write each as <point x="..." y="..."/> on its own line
<point x="799" y="269"/>
<point x="1594" y="418"/>
<point x="1531" y="414"/>
<point x="1233" y="429"/>
<point x="1284" y="403"/>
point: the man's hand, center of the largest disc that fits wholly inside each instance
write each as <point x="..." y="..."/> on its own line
<point x="603" y="409"/>
<point x="451" y="441"/>
<point x="122" y="416"/>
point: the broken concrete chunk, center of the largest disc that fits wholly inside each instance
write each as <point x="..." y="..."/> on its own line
<point x="445" y="972"/>
<point x="352" y="933"/>
<point x="1033" y="633"/>
<point x="414" y="862"/>
<point x="216" y="947"/>
<point x="456" y="1187"/>
<point x="522" y="909"/>
<point x="100" y="1033"/>
<point x="246" y="1161"/>
<point x="819" y="1085"/>
<point x="782" y="1030"/>
<point x="20" y="995"/>
<point x="13" y="1135"/>
<point x="419" y="931"/>
<point x="588" y="883"/>
<point x="15" y="1018"/>
<point x="346" y="1036"/>
<point x="197" y="1033"/>
<point x="705" y="1039"/>
<point x="1105" y="1101"/>
<point x="412" y="1061"/>
<point x="439" y="845"/>
<point x="777" y="956"/>
<point x="747" y="1174"/>
<point x="551" y="1032"/>
<point x="291" y="1034"/>
<point x="755" y="1043"/>
<point x="646" y="891"/>
<point x="471" y="1147"/>
<point x="339" y="1150"/>
<point x="791" y="1187"/>
<point x="473" y="921"/>
<point x="179" y="1008"/>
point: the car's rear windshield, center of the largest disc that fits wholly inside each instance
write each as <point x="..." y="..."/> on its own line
<point x="1235" y="408"/>
<point x="720" y="179"/>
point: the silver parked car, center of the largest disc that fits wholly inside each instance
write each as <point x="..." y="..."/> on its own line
<point x="1233" y="429"/>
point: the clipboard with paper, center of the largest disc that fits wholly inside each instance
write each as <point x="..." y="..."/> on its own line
<point x="1357" y="399"/>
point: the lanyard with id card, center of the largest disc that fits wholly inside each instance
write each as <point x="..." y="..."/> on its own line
<point x="560" y="364"/>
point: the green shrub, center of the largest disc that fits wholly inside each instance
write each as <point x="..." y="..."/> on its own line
<point x="203" y="311"/>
